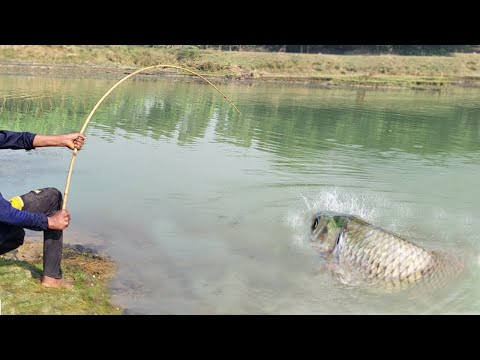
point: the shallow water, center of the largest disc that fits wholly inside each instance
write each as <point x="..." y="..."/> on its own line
<point x="206" y="210"/>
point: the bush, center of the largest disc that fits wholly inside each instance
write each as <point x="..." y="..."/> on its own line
<point x="211" y="66"/>
<point x="188" y="53"/>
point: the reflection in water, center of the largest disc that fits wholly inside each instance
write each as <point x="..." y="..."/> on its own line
<point x="414" y="122"/>
<point x="205" y="209"/>
<point x="360" y="96"/>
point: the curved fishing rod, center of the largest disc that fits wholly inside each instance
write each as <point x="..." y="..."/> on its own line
<point x="74" y="155"/>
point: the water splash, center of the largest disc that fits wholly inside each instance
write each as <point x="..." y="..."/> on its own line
<point x="347" y="202"/>
<point x="306" y="201"/>
<point x="429" y="227"/>
<point x="373" y="208"/>
<point x="330" y="199"/>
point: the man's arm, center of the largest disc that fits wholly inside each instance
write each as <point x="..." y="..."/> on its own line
<point x="32" y="221"/>
<point x="12" y="216"/>
<point x="16" y="140"/>
<point x="26" y="140"/>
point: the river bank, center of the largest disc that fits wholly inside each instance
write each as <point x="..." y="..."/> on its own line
<point x="416" y="72"/>
<point x="90" y="273"/>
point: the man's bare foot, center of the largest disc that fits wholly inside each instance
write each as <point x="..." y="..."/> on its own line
<point x="52" y="282"/>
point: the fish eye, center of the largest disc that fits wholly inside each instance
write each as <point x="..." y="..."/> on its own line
<point x="315" y="224"/>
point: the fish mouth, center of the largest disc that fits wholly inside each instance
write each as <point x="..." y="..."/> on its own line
<point x="318" y="236"/>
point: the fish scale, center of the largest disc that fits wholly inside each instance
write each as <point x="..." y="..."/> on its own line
<point x="388" y="258"/>
<point x="381" y="257"/>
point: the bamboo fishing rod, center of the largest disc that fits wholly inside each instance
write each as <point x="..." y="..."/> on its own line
<point x="75" y="151"/>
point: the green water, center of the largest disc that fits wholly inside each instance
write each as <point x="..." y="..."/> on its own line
<point x="205" y="210"/>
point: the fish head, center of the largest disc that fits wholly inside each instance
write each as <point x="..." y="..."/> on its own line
<point x="325" y="230"/>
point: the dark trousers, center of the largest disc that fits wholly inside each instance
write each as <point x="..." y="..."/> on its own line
<point x="47" y="201"/>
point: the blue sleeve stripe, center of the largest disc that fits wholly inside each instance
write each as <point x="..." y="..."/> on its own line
<point x="16" y="140"/>
<point x="12" y="216"/>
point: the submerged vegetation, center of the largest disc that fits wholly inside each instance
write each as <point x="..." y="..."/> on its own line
<point x="371" y="70"/>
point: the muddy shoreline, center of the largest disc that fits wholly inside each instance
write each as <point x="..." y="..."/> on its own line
<point x="90" y="272"/>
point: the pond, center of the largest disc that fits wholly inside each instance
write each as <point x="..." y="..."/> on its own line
<point x="206" y="211"/>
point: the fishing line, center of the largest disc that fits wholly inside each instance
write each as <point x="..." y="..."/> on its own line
<point x="306" y="202"/>
<point x="74" y="155"/>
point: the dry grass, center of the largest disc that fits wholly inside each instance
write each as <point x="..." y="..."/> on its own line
<point x="335" y="69"/>
<point x="21" y="292"/>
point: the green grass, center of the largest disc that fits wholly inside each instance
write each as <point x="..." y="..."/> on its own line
<point x="389" y="70"/>
<point x="21" y="292"/>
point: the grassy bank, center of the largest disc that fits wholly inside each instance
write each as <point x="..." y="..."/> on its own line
<point x="370" y="70"/>
<point x="21" y="292"/>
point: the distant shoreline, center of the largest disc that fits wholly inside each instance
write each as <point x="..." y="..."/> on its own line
<point x="110" y="72"/>
<point x="371" y="71"/>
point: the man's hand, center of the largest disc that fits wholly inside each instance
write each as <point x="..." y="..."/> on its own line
<point x="59" y="220"/>
<point x="74" y="141"/>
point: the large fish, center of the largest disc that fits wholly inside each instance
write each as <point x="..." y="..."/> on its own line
<point x="360" y="253"/>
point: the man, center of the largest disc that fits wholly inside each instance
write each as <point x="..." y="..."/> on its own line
<point x="39" y="209"/>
